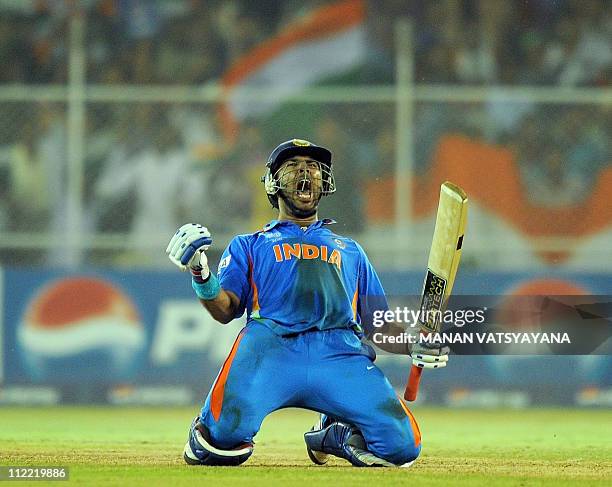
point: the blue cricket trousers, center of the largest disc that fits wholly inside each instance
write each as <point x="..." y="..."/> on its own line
<point x="328" y="371"/>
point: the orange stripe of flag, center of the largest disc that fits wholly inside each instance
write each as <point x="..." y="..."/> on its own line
<point x="323" y="21"/>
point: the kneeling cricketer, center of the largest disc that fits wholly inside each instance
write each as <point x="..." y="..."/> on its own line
<point x="308" y="294"/>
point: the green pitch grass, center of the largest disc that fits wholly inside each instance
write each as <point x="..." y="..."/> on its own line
<point x="138" y="446"/>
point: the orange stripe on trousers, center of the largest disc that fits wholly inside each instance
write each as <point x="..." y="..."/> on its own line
<point x="415" y="427"/>
<point x="216" y="398"/>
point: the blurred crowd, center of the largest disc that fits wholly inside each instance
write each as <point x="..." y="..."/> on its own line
<point x="140" y="156"/>
<point x="535" y="42"/>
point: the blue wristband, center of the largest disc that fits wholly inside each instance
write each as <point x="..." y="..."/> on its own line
<point x="207" y="290"/>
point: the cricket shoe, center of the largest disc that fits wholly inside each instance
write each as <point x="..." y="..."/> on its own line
<point x="318" y="457"/>
<point x="345" y="441"/>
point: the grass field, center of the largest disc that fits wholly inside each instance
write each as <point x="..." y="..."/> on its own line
<point x="461" y="447"/>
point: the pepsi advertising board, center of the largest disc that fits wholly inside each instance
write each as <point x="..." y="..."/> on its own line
<point x="89" y="332"/>
<point x="109" y="335"/>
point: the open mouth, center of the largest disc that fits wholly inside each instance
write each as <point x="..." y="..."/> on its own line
<point x="304" y="190"/>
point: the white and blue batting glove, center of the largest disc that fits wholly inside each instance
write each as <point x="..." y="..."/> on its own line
<point x="187" y="247"/>
<point x="429" y="358"/>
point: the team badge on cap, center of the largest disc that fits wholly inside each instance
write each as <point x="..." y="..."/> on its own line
<point x="301" y="142"/>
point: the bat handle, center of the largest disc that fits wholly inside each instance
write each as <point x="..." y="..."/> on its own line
<point x="412" y="388"/>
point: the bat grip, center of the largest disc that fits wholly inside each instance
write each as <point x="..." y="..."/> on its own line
<point x="412" y="388"/>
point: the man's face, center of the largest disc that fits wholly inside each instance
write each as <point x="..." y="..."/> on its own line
<point x="302" y="183"/>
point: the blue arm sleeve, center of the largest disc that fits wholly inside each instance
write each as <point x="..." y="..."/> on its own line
<point x="233" y="271"/>
<point x="371" y="294"/>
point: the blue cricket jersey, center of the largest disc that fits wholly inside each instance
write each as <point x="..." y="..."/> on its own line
<point x="293" y="280"/>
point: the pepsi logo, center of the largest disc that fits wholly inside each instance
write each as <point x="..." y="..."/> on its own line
<point x="80" y="317"/>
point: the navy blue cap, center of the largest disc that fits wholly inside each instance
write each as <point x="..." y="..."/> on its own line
<point x="298" y="147"/>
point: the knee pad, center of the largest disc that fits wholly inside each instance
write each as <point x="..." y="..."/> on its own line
<point x="200" y="451"/>
<point x="344" y="441"/>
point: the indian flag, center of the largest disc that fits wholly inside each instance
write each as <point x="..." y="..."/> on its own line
<point x="325" y="44"/>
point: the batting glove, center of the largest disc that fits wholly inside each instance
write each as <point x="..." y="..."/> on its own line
<point x="429" y="358"/>
<point x="187" y="247"/>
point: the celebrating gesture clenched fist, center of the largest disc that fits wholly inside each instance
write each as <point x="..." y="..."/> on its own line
<point x="186" y="249"/>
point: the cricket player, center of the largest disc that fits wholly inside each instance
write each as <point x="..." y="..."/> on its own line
<point x="308" y="293"/>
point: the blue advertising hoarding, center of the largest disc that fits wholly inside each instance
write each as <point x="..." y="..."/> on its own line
<point x="102" y="330"/>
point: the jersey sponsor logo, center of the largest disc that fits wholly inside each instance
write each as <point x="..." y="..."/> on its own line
<point x="272" y="236"/>
<point x="307" y="251"/>
<point x="340" y="243"/>
<point x="224" y="262"/>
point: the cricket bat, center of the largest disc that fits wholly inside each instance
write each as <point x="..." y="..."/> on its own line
<point x="444" y="257"/>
